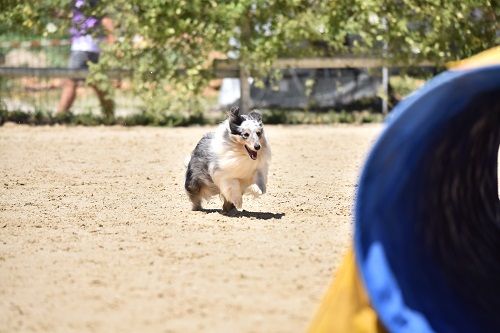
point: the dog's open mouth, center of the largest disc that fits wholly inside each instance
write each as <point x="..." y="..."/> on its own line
<point x="251" y="153"/>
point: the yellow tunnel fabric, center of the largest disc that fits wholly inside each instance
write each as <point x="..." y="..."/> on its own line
<point x="346" y="307"/>
<point x="485" y="58"/>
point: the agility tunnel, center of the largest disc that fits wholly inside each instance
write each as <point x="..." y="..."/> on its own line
<point x="426" y="254"/>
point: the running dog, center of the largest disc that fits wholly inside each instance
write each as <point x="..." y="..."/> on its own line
<point x="231" y="161"/>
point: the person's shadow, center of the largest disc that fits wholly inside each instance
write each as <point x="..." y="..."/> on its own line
<point x="246" y="213"/>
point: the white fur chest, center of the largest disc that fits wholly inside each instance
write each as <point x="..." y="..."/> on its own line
<point x="232" y="160"/>
<point x="237" y="165"/>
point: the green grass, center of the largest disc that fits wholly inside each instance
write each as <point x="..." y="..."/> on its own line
<point x="91" y="119"/>
<point x="176" y="119"/>
<point x="330" y="117"/>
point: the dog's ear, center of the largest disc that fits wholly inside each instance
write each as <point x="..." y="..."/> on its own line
<point x="255" y="115"/>
<point x="235" y="120"/>
<point x="233" y="112"/>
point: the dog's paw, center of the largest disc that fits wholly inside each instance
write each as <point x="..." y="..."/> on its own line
<point x="231" y="212"/>
<point x="238" y="202"/>
<point x="254" y="190"/>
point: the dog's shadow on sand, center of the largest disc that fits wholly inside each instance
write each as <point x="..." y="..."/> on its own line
<point x="246" y="213"/>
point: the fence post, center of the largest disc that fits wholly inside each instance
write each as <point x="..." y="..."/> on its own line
<point x="385" y="90"/>
<point x="385" y="72"/>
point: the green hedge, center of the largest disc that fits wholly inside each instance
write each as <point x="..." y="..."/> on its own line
<point x="176" y="120"/>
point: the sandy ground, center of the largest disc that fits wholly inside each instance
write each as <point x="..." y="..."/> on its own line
<point x="96" y="232"/>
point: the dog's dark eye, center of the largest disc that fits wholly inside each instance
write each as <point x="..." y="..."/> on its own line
<point x="245" y="135"/>
<point x="259" y="134"/>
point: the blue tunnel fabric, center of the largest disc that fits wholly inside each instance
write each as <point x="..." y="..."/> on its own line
<point x="427" y="213"/>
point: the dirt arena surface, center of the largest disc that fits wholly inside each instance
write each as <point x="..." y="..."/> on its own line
<point x="96" y="232"/>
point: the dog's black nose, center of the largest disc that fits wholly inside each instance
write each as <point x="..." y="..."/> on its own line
<point x="256" y="146"/>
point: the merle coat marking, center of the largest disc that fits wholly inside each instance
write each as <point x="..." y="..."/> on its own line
<point x="231" y="161"/>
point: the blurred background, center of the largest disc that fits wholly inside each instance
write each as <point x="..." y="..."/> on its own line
<point x="176" y="63"/>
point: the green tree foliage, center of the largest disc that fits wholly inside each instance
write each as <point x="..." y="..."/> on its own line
<point x="405" y="31"/>
<point x="49" y="18"/>
<point x="167" y="44"/>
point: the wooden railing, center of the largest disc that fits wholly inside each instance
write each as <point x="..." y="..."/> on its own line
<point x="230" y="69"/>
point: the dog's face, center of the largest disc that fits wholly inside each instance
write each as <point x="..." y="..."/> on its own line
<point x="247" y="130"/>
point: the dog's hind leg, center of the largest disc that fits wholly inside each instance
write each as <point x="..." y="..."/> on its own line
<point x="195" y="200"/>
<point x="193" y="189"/>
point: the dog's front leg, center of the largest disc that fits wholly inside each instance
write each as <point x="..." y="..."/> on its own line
<point x="261" y="180"/>
<point x="231" y="191"/>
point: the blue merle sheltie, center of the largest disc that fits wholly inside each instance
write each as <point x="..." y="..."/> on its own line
<point x="230" y="162"/>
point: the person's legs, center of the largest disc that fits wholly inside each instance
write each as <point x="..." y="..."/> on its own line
<point x="67" y="97"/>
<point x="77" y="60"/>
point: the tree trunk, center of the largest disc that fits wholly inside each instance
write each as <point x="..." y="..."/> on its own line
<point x="245" y="100"/>
<point x="385" y="89"/>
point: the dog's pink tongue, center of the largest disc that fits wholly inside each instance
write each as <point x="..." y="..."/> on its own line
<point x="251" y="153"/>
